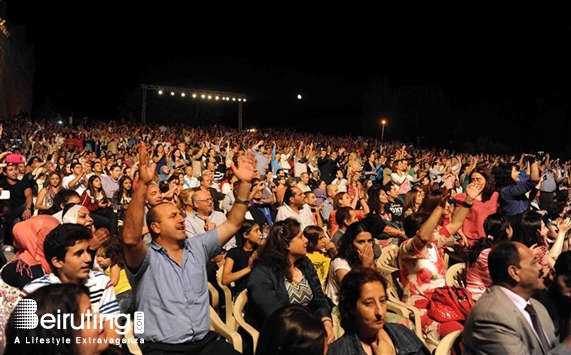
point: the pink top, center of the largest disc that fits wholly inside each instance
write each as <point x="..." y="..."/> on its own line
<point x="473" y="226"/>
<point x="477" y="276"/>
<point x="402" y="181"/>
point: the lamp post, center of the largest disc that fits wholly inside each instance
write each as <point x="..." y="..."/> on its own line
<point x="383" y="122"/>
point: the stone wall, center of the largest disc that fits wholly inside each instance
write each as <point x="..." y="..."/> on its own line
<point x="17" y="68"/>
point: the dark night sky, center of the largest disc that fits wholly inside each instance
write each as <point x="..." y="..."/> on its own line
<point x="88" y="53"/>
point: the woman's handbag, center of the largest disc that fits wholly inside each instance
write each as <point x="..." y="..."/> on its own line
<point x="449" y="303"/>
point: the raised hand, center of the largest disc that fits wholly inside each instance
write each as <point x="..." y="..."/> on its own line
<point x="100" y="236"/>
<point x="146" y="172"/>
<point x="246" y="167"/>
<point x="538" y="250"/>
<point x="564" y="226"/>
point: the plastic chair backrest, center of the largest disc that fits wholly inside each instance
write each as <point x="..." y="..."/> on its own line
<point x="238" y="312"/>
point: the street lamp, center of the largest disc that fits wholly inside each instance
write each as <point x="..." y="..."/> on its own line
<point x="383" y="122"/>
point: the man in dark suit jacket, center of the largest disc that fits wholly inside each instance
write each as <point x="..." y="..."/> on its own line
<point x="327" y="164"/>
<point x="500" y="323"/>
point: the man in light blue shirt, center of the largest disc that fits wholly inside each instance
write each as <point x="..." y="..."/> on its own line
<point x="262" y="157"/>
<point x="168" y="276"/>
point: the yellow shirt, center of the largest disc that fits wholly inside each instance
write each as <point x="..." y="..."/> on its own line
<point x="321" y="262"/>
<point x="123" y="284"/>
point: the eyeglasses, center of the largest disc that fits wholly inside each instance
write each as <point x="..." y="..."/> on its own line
<point x="206" y="200"/>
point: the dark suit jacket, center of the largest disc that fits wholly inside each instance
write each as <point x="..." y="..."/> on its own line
<point x="496" y="326"/>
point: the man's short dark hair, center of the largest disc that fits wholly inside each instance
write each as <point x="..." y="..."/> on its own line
<point x="61" y="238"/>
<point x="289" y="193"/>
<point x="74" y="164"/>
<point x="388" y="187"/>
<point x="342" y="214"/>
<point x="115" y="166"/>
<point x="61" y="197"/>
<point x="153" y="216"/>
<point x="501" y="257"/>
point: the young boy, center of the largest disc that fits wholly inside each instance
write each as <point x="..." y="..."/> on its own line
<point x="65" y="249"/>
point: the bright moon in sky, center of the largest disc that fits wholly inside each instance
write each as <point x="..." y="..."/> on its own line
<point x="299" y="96"/>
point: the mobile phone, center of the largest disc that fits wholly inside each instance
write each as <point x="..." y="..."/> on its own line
<point x="5" y="195"/>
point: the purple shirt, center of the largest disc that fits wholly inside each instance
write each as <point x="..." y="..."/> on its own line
<point x="109" y="186"/>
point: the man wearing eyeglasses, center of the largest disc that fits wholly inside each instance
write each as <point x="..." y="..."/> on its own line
<point x="206" y="185"/>
<point x="204" y="217"/>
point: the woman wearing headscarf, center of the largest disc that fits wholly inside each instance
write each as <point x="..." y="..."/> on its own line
<point x="78" y="214"/>
<point x="29" y="262"/>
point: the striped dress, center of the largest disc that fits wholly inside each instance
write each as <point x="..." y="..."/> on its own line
<point x="477" y="276"/>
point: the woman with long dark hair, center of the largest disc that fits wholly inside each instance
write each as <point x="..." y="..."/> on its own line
<point x="282" y="275"/>
<point x="96" y="201"/>
<point x="379" y="220"/>
<point x="355" y="250"/>
<point x="532" y="232"/>
<point x="122" y="197"/>
<point x="497" y="229"/>
<point x="484" y="205"/>
<point x="160" y="157"/>
<point x="176" y="160"/>
<point x="513" y="201"/>
<point x="45" y="199"/>
<point x="240" y="260"/>
<point x="412" y="200"/>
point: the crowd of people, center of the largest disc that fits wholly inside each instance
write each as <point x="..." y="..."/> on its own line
<point x="126" y="218"/>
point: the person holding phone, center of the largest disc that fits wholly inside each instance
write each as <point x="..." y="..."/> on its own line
<point x="100" y="206"/>
<point x="512" y="187"/>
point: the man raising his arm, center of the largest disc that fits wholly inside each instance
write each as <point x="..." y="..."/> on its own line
<point x="169" y="274"/>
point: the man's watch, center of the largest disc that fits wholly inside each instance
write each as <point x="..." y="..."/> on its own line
<point x="28" y="208"/>
<point x="243" y="202"/>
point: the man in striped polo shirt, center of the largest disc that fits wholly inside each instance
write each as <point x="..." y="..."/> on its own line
<point x="66" y="250"/>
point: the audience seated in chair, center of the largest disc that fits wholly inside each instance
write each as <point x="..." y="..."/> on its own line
<point x="421" y="256"/>
<point x="363" y="308"/>
<point x="282" y="275"/>
<point x="497" y="229"/>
